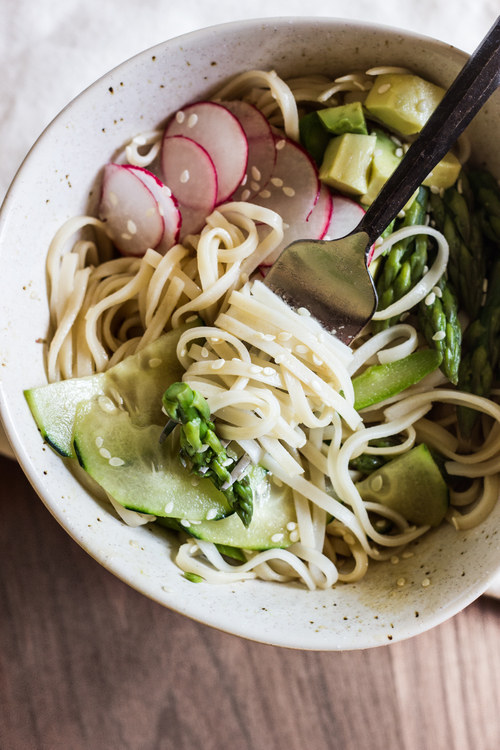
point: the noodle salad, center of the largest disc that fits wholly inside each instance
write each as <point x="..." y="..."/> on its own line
<point x="199" y="400"/>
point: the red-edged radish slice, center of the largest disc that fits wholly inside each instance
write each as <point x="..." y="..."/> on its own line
<point x="313" y="227"/>
<point x="261" y="150"/>
<point x="218" y="131"/>
<point x="346" y="215"/>
<point x="190" y="173"/>
<point x="130" y="210"/>
<point x="167" y="204"/>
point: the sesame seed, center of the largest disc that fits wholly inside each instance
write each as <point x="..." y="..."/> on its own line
<point x="294" y="536"/>
<point x="218" y="364"/>
<point x="430" y="299"/>
<point x="399" y="152"/>
<point x="180" y="116"/>
<point x="437" y="291"/>
<point x="277" y="537"/>
<point x="277" y="181"/>
<point x="265" y="194"/>
<point x="192" y="120"/>
<point x="255" y="369"/>
<point x="401" y="581"/>
<point x="439" y="336"/>
<point x="255" y="186"/>
<point x="304" y="311"/>
<point x="317" y="361"/>
<point x="99" y="442"/>
<point x="288" y="191"/>
<point x="245" y="195"/>
<point x="184" y="176"/>
<point x="377" y="483"/>
<point x="126" y="236"/>
<point x="291" y="525"/>
<point x="116" y="461"/>
<point x="155" y="362"/>
<point x="132" y="226"/>
<point x="105" y="453"/>
<point x="268" y="371"/>
<point x="212" y="513"/>
<point x="256" y="173"/>
<point x="280" y="144"/>
<point x="185" y="523"/>
<point x="204" y="352"/>
<point x="301" y="349"/>
<point x="382" y="89"/>
<point x="284" y="336"/>
<point x="169" y="507"/>
<point x="426" y="582"/>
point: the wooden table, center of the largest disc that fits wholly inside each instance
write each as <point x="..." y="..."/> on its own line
<point x="86" y="663"/>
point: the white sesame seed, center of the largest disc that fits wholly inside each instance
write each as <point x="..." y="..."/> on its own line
<point x="268" y="371"/>
<point x="245" y="195"/>
<point x="304" y="311"/>
<point x="401" y="581"/>
<point x="288" y="191"/>
<point x="256" y="173"/>
<point x="132" y="226"/>
<point x="185" y="523"/>
<point x="291" y="525"/>
<point x="382" y="89"/>
<point x="439" y="336"/>
<point x="116" y="461"/>
<point x="294" y="536"/>
<point x="204" y="352"/>
<point x="284" y="336"/>
<point x="430" y="299"/>
<point x="99" y="441"/>
<point x="218" y="364"/>
<point x="169" y="507"/>
<point x="317" y="361"/>
<point x="377" y="483"/>
<point x="277" y="537"/>
<point x="105" y="453"/>
<point x="212" y="513"/>
<point x="437" y="291"/>
<point x="265" y="194"/>
<point x="180" y="116"/>
<point x="256" y="369"/>
<point x="426" y="582"/>
<point x="280" y="144"/>
<point x="184" y="176"/>
<point x="255" y="186"/>
<point x="192" y="120"/>
<point x="277" y="181"/>
<point x="301" y="349"/>
<point x="126" y="236"/>
<point x="154" y="362"/>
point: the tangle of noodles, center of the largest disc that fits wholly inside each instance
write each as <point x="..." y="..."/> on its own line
<point x="276" y="383"/>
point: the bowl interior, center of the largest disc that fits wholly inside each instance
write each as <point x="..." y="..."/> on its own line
<point x="56" y="182"/>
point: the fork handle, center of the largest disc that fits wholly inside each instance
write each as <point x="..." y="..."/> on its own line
<point x="475" y="83"/>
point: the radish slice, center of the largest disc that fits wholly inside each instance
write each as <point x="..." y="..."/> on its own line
<point x="130" y="210"/>
<point x="168" y="207"/>
<point x="293" y="192"/>
<point x="261" y="150"/>
<point x="313" y="227"/>
<point x="190" y="173"/>
<point x="346" y="216"/>
<point x="218" y="131"/>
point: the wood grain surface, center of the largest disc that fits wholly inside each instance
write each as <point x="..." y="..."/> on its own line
<point x="86" y="663"/>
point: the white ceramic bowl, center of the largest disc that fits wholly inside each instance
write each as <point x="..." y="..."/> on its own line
<point x="54" y="184"/>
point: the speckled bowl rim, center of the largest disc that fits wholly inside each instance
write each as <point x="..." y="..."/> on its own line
<point x="372" y="613"/>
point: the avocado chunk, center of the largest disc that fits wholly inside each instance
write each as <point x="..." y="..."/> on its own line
<point x="346" y="118"/>
<point x="410" y="484"/>
<point x="445" y="173"/>
<point x="347" y="161"/>
<point x="313" y="136"/>
<point x="402" y="101"/>
<point x="386" y="158"/>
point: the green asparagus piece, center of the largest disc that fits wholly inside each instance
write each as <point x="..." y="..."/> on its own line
<point x="401" y="270"/>
<point x="481" y="352"/>
<point x="487" y="192"/>
<point x="439" y="324"/>
<point x="453" y="215"/>
<point x="201" y="451"/>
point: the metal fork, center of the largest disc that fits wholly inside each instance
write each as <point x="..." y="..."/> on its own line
<point x="330" y="278"/>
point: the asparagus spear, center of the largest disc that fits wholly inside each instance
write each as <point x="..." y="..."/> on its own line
<point x="405" y="261"/>
<point x="201" y="451"/>
<point x="482" y="352"/>
<point x="439" y="324"/>
<point x="487" y="194"/>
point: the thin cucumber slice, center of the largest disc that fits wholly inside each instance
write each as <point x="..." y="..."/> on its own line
<point x="412" y="485"/>
<point x="155" y="367"/>
<point x="273" y="519"/>
<point x="138" y="471"/>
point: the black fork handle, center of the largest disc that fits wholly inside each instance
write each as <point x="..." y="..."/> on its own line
<point x="475" y="83"/>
